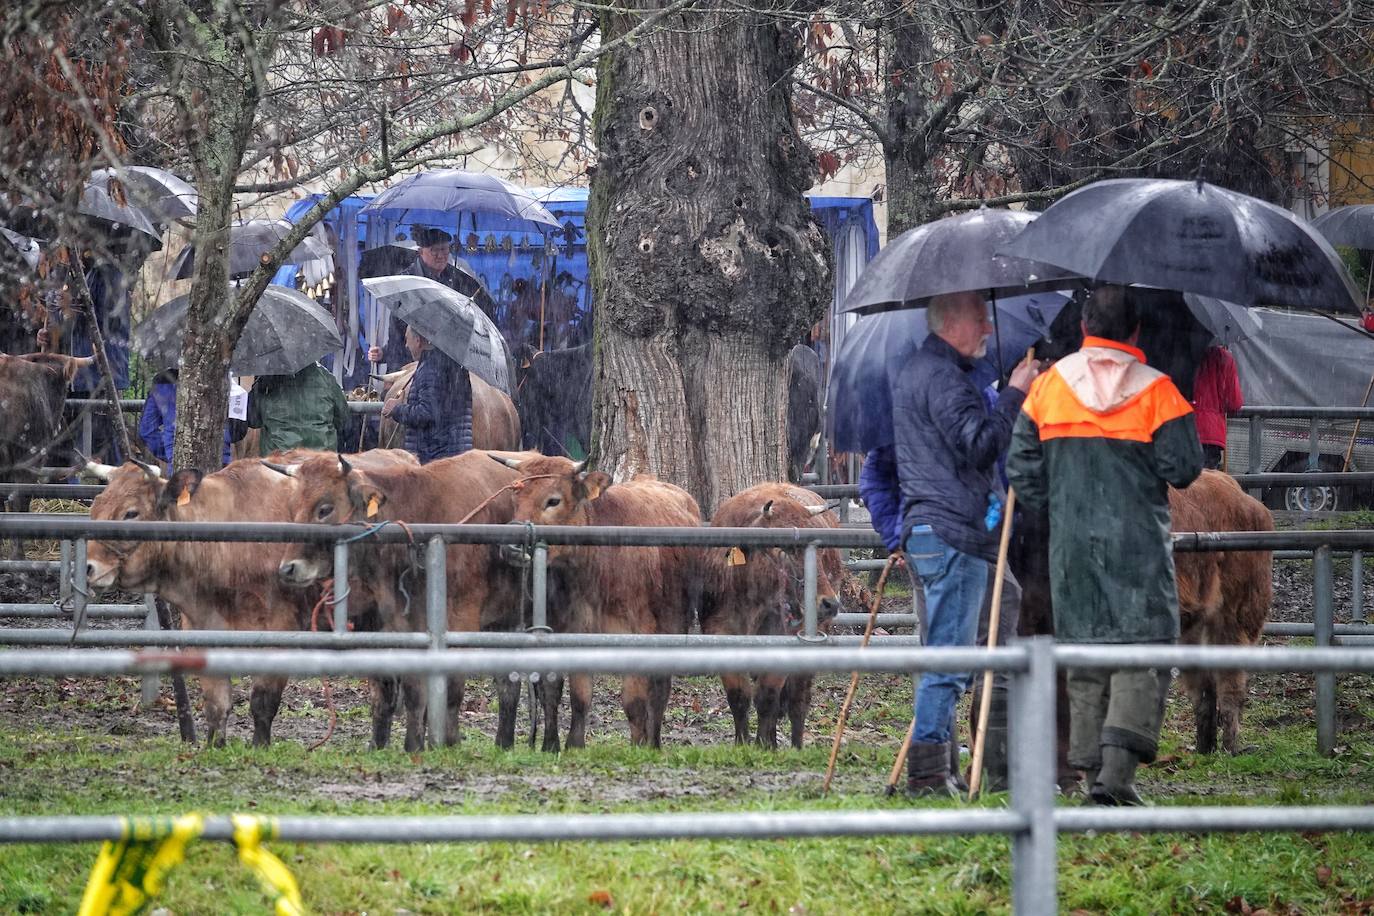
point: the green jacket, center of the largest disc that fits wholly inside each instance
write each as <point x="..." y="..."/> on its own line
<point x="1100" y="439"/>
<point x="305" y="410"/>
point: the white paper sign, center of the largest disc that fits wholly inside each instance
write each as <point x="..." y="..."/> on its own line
<point x="238" y="401"/>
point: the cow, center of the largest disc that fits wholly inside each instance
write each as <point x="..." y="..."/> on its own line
<point x="758" y="592"/>
<point x="32" y="390"/>
<point x="495" y="424"/>
<point x="555" y="399"/>
<point x="215" y="585"/>
<point x="482" y="592"/>
<point x="616" y="590"/>
<point x="1223" y="599"/>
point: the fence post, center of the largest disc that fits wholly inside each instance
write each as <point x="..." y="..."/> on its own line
<point x="1357" y="587"/>
<point x="79" y="593"/>
<point x="539" y="616"/>
<point x="86" y="430"/>
<point x="809" y="589"/>
<point x="436" y="619"/>
<point x="1323" y="602"/>
<point x="341" y="587"/>
<point x="1034" y="852"/>
<point x="151" y="686"/>
<point x="64" y="572"/>
<point x="1314" y="445"/>
<point x="1256" y="448"/>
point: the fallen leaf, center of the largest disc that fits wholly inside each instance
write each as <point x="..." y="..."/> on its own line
<point x="601" y="898"/>
<point x="1323" y="875"/>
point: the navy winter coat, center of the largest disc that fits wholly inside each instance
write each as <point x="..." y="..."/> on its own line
<point x="881" y="493"/>
<point x="947" y="447"/>
<point x="437" y="413"/>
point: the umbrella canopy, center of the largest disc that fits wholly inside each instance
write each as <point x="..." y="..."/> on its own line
<point x="1228" y="322"/>
<point x="450" y="321"/>
<point x="24" y="247"/>
<point x="248" y="242"/>
<point x="952" y="255"/>
<point x="1192" y="237"/>
<point x="162" y="196"/>
<point x="1352" y="226"/>
<point x="286" y="332"/>
<point x="448" y="191"/>
<point x="877" y="347"/>
<point x="99" y="204"/>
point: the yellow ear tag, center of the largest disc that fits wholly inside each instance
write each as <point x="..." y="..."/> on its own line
<point x="184" y="497"/>
<point x="372" y="506"/>
<point x="735" y="557"/>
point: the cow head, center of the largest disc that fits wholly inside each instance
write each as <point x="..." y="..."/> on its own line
<point x="776" y="578"/>
<point x="133" y="492"/>
<point x="330" y="491"/>
<point x="554" y="490"/>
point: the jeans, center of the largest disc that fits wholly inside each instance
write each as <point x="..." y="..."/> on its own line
<point x="953" y="583"/>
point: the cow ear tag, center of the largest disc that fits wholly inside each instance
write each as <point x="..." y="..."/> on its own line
<point x="372" y="506"/>
<point x="184" y="497"/>
<point x="735" y="557"/>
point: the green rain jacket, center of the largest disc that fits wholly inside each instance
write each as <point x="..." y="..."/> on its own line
<point x="305" y="410"/>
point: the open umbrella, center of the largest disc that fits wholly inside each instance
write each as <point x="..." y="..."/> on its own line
<point x="286" y="332"/>
<point x="952" y="255"/>
<point x="23" y="246"/>
<point x="1229" y="323"/>
<point x="162" y="196"/>
<point x="248" y="242"/>
<point x="98" y="204"/>
<point x="1352" y="226"/>
<point x="1192" y="237"/>
<point x="450" y="321"/>
<point x="428" y="196"/>
<point x="877" y="347"/>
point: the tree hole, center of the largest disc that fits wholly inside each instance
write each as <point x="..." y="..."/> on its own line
<point x="646" y="245"/>
<point x="648" y="117"/>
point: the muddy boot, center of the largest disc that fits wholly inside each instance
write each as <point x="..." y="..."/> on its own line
<point x="927" y="771"/>
<point x="995" y="754"/>
<point x="1115" y="783"/>
<point x="959" y="782"/>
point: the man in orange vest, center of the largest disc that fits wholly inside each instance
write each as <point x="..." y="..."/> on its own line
<point x="1100" y="439"/>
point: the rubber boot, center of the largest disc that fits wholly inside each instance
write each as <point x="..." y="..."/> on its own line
<point x="927" y="771"/>
<point x="1115" y="783"/>
<point x="959" y="784"/>
<point x="995" y="754"/>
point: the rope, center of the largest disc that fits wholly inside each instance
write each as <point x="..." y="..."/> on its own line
<point x="326" y="597"/>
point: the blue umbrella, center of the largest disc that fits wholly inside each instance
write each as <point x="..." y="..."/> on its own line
<point x="434" y="197"/>
<point x="877" y="347"/>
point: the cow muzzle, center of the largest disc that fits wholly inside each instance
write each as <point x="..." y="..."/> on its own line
<point x="100" y="575"/>
<point x="298" y="572"/>
<point x="516" y="555"/>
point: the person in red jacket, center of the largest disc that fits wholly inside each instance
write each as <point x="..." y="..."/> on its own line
<point x="1216" y="393"/>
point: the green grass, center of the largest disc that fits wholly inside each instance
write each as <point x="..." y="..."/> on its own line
<point x="60" y="768"/>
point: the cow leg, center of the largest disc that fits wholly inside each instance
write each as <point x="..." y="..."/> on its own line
<point x="456" y="687"/>
<point x="739" y="691"/>
<point x="1202" y="691"/>
<point x="215" y="690"/>
<point x="508" y="707"/>
<point x="767" y="700"/>
<point x="264" y="701"/>
<point x="416" y="695"/>
<point x="797" y="695"/>
<point x="1231" y="689"/>
<point x="634" y="699"/>
<point x="659" y="690"/>
<point x="551" y="697"/>
<point x="386" y="697"/>
<point x="580" y="701"/>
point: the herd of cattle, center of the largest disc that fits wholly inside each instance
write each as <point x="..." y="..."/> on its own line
<point x="1224" y="597"/>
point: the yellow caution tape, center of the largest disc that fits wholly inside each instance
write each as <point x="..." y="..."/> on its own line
<point x="273" y="875"/>
<point x="129" y="873"/>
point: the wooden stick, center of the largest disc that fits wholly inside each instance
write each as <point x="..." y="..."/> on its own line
<point x="994" y="618"/>
<point x="854" y="676"/>
<point x="1350" y="449"/>
<point x="901" y="759"/>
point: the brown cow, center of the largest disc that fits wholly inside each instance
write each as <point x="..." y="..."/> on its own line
<point x="483" y="593"/>
<point x="1223" y="598"/>
<point x="495" y="423"/>
<point x="610" y="590"/>
<point x="759" y="592"/>
<point x="215" y="585"/>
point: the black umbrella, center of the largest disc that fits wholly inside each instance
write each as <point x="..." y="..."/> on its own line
<point x="98" y="204"/>
<point x="161" y="195"/>
<point x="248" y="242"/>
<point x="1192" y="237"/>
<point x="450" y="321"/>
<point x="24" y="248"/>
<point x="953" y="255"/>
<point x="286" y="332"/>
<point x="1352" y="226"/>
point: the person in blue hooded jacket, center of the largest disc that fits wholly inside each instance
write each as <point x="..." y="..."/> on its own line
<point x="157" y="425"/>
<point x="437" y="412"/>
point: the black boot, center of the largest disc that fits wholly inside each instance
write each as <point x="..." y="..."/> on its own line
<point x="995" y="753"/>
<point x="1115" y="783"/>
<point x="927" y="771"/>
<point x="954" y="774"/>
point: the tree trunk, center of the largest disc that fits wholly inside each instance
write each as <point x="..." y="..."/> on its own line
<point x="706" y="264"/>
<point x="911" y="197"/>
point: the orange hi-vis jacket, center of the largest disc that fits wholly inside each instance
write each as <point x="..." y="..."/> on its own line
<point x="1100" y="438"/>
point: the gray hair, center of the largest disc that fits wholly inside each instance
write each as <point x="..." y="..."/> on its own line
<point x="944" y="307"/>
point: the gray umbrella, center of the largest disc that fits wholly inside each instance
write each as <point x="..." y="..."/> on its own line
<point x="1352" y="226"/>
<point x="1228" y="322"/>
<point x="286" y="332"/>
<point x="248" y="242"/>
<point x="24" y="247"/>
<point x="97" y="203"/>
<point x="450" y="321"/>
<point x="157" y="192"/>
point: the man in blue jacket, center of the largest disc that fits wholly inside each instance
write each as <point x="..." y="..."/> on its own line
<point x="437" y="412"/>
<point x="947" y="445"/>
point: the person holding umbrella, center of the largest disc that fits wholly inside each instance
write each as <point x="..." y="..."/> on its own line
<point x="306" y="409"/>
<point x="433" y="263"/>
<point x="1100" y="439"/>
<point x="437" y="412"/>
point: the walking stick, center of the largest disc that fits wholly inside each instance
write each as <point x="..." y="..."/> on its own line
<point x="994" y="618"/>
<point x="854" y="676"/>
<point x="901" y="759"/>
<point x="1350" y="449"/>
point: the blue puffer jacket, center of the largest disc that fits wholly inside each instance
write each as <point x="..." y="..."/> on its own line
<point x="948" y="443"/>
<point x="437" y="413"/>
<point x="882" y="495"/>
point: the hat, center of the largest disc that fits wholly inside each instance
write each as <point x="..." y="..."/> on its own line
<point x="426" y="236"/>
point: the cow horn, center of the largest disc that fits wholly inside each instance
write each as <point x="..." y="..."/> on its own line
<point x="151" y="470"/>
<point x="288" y="469"/>
<point x="508" y="462"/>
<point x="103" y="471"/>
<point x="768" y="509"/>
<point x="84" y="361"/>
<point x="344" y="467"/>
<point x="580" y="466"/>
<point x="817" y="510"/>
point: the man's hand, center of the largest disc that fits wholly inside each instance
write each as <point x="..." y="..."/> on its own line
<point x="43" y="338"/>
<point x="374" y="354"/>
<point x="1024" y="374"/>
